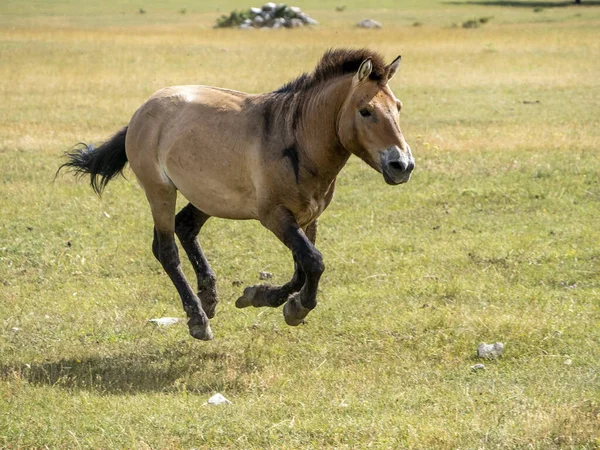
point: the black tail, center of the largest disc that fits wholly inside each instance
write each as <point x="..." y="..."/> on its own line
<point x="102" y="163"/>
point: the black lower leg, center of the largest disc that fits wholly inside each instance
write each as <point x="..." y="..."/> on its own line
<point x="272" y="296"/>
<point x="188" y="223"/>
<point x="311" y="262"/>
<point x="164" y="246"/>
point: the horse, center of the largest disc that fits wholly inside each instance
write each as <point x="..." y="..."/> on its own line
<point x="272" y="157"/>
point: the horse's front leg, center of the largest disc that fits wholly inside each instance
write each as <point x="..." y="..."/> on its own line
<point x="310" y="259"/>
<point x="275" y="296"/>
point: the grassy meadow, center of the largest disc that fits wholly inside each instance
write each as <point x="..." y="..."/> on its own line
<point x="495" y="238"/>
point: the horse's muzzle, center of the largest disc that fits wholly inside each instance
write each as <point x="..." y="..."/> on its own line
<point x="397" y="165"/>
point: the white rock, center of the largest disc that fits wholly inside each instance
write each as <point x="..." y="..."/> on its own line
<point x="265" y="275"/>
<point x="218" y="399"/>
<point x="294" y="23"/>
<point x="477" y="367"/>
<point x="306" y="19"/>
<point x="15" y="329"/>
<point x="368" y="23"/>
<point x="165" y="321"/>
<point x="490" y="350"/>
<point x="269" y="6"/>
<point x="255" y="10"/>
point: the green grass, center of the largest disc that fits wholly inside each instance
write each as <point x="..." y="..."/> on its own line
<point x="495" y="238"/>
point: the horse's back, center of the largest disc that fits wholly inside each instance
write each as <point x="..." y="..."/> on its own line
<point x="201" y="140"/>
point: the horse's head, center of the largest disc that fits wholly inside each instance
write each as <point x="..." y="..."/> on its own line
<point x="369" y="124"/>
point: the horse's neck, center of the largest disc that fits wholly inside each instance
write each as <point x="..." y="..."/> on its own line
<point x="319" y="139"/>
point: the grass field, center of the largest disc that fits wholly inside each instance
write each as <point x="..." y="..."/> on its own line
<point x="496" y="238"/>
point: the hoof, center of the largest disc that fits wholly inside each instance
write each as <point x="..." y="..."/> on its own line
<point x="254" y="296"/>
<point x="294" y="313"/>
<point x="208" y="300"/>
<point x="200" y="331"/>
<point x="210" y="311"/>
<point x="246" y="299"/>
<point x="209" y="308"/>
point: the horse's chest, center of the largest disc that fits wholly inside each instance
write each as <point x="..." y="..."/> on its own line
<point x="314" y="204"/>
<point x="310" y="212"/>
<point x="313" y="207"/>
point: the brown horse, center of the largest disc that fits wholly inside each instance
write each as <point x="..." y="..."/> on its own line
<point x="272" y="157"/>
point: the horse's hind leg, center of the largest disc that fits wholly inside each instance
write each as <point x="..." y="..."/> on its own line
<point x="275" y="296"/>
<point x="162" y="199"/>
<point x="188" y="223"/>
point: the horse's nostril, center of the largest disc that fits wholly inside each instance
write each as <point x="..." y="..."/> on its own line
<point x="410" y="166"/>
<point x="397" y="165"/>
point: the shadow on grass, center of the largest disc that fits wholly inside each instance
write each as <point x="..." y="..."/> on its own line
<point x="163" y="371"/>
<point x="526" y="4"/>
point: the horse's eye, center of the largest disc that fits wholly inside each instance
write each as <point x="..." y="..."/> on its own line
<point x="365" y="112"/>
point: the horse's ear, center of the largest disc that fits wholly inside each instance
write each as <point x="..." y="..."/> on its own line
<point x="393" y="68"/>
<point x="364" y="70"/>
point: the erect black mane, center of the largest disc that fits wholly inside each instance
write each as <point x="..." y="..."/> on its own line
<point x="335" y="63"/>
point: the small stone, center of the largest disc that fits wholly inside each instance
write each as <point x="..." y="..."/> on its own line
<point x="258" y="21"/>
<point x="490" y="351"/>
<point x="568" y="362"/>
<point x="15" y="329"/>
<point x="368" y="23"/>
<point x="294" y="23"/>
<point x="265" y="275"/>
<point x="295" y="10"/>
<point x="245" y="26"/>
<point x="218" y="399"/>
<point x="269" y="7"/>
<point x="477" y="367"/>
<point x="165" y="321"/>
<point x="255" y="10"/>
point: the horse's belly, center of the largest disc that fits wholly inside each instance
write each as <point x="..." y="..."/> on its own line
<point x="218" y="200"/>
<point x="213" y="177"/>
